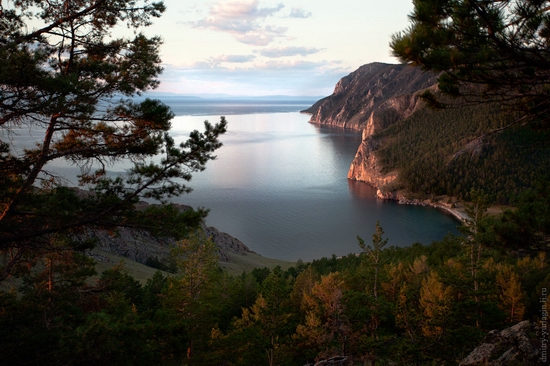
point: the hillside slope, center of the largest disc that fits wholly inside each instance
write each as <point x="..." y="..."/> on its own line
<point x="409" y="149"/>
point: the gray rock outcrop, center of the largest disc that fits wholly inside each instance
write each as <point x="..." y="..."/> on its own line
<point x="473" y="148"/>
<point x="225" y="242"/>
<point x="517" y="345"/>
<point x="141" y="246"/>
<point x="136" y="245"/>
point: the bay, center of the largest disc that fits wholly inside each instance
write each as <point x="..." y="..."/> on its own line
<point x="280" y="186"/>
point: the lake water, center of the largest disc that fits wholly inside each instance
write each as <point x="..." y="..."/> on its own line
<point x="280" y="184"/>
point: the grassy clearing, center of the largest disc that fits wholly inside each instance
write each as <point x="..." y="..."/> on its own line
<point x="239" y="263"/>
<point x="137" y="270"/>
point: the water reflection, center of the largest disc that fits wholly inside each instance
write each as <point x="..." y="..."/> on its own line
<point x="361" y="190"/>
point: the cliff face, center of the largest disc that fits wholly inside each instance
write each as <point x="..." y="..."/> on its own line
<point x="362" y="92"/>
<point x="371" y="99"/>
<point x="365" y="166"/>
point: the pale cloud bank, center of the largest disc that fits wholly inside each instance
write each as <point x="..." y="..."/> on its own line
<point x="299" y="12"/>
<point x="233" y="58"/>
<point x="268" y="47"/>
<point x="243" y="20"/>
<point x="276" y="52"/>
<point x="260" y="78"/>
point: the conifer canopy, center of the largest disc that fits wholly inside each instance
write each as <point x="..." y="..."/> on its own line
<point x="486" y="50"/>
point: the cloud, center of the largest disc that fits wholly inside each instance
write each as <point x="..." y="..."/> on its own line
<point x="233" y="58"/>
<point x="242" y="19"/>
<point x="299" y="12"/>
<point x="276" y="52"/>
<point x="239" y="9"/>
<point x="296" y="66"/>
<point x="261" y="37"/>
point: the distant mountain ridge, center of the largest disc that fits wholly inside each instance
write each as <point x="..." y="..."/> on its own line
<point x="160" y="95"/>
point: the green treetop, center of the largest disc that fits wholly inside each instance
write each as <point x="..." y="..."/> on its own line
<point x="486" y="50"/>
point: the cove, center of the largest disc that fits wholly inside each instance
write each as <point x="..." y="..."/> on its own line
<point x="280" y="186"/>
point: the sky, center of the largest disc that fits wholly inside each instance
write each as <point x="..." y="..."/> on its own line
<point x="261" y="47"/>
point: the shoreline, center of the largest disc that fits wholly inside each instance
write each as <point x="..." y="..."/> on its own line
<point x="456" y="212"/>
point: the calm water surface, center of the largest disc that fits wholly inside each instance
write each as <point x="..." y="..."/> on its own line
<point x="279" y="185"/>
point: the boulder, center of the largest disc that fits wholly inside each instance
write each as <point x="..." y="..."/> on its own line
<point x="518" y="345"/>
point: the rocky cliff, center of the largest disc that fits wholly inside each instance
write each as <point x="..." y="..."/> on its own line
<point x="371" y="99"/>
<point x="140" y="246"/>
<point x="365" y="166"/>
<point x="365" y="90"/>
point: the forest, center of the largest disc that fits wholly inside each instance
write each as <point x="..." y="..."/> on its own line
<point x="454" y="150"/>
<point x="418" y="305"/>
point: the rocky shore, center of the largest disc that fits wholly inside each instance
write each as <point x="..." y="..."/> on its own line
<point x="454" y="209"/>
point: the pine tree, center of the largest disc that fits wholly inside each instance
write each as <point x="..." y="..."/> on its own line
<point x="486" y="50"/>
<point x="67" y="82"/>
<point x="192" y="294"/>
<point x="374" y="253"/>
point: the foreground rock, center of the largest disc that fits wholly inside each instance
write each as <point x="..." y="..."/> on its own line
<point x="517" y="345"/>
